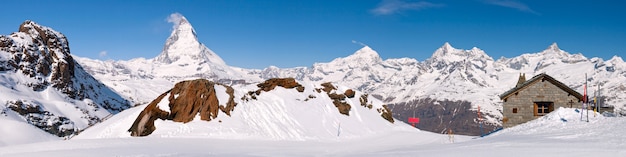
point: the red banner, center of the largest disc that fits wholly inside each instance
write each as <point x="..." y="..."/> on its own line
<point x="414" y="120"/>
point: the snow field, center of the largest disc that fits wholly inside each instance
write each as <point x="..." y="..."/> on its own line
<point x="547" y="136"/>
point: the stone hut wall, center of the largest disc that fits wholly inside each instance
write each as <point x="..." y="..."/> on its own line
<point x="523" y="100"/>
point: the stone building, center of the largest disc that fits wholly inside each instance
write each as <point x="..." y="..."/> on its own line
<point x="531" y="99"/>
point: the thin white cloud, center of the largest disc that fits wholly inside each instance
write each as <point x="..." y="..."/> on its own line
<point x="175" y="19"/>
<point x="358" y="42"/>
<point x="511" y="4"/>
<point x="103" y="54"/>
<point x="388" y="7"/>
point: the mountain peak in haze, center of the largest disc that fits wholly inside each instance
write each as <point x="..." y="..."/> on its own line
<point x="183" y="45"/>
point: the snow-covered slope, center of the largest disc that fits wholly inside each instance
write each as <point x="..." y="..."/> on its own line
<point x="43" y="86"/>
<point x="277" y="114"/>
<point x="547" y="136"/>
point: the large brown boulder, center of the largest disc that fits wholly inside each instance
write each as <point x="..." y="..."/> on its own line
<point x="186" y="100"/>
<point x="197" y="96"/>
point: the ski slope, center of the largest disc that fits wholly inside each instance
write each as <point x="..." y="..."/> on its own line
<point x="547" y="136"/>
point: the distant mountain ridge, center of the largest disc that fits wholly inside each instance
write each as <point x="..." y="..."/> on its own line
<point x="463" y="76"/>
<point x="42" y="85"/>
<point x="451" y="77"/>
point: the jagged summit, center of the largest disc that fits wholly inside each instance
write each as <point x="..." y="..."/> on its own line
<point x="554" y="52"/>
<point x="445" y="50"/>
<point x="554" y="49"/>
<point x="449" y="53"/>
<point x="447" y="47"/>
<point x="616" y="59"/>
<point x="48" y="37"/>
<point x="183" y="44"/>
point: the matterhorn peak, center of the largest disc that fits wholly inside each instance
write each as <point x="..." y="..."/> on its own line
<point x="184" y="45"/>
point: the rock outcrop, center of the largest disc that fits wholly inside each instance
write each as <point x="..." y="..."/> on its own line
<point x="270" y="84"/>
<point x="186" y="100"/>
<point x="288" y="83"/>
<point x="339" y="100"/>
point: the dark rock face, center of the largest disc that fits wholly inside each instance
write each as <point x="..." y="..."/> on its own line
<point x="35" y="115"/>
<point x="186" y="99"/>
<point x="439" y="116"/>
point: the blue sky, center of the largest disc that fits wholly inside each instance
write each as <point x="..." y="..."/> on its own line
<point x="290" y="33"/>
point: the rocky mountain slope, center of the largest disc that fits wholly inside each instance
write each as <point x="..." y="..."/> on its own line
<point x="42" y="85"/>
<point x="445" y="90"/>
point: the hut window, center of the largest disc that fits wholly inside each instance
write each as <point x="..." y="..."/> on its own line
<point x="543" y="108"/>
<point x="514" y="110"/>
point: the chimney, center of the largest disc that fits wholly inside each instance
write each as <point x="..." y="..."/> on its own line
<point x="521" y="80"/>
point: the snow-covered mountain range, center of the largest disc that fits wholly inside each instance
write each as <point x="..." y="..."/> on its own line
<point x="450" y="77"/>
<point x="453" y="75"/>
<point x="44" y="88"/>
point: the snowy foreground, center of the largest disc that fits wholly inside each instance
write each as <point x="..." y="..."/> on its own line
<point x="561" y="133"/>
